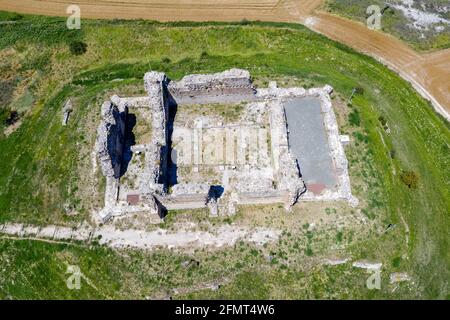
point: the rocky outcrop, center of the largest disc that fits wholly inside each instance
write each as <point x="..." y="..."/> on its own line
<point x="111" y="139"/>
<point x="367" y="265"/>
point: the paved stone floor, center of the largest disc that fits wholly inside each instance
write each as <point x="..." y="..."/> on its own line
<point x="309" y="142"/>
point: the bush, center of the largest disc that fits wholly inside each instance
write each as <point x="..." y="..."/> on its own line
<point x="77" y="47"/>
<point x="359" y="90"/>
<point x="410" y="178"/>
<point x="8" y="117"/>
<point x="382" y="120"/>
<point x="392" y="153"/>
<point x="204" y="55"/>
<point x="354" y="118"/>
<point x="4" y="113"/>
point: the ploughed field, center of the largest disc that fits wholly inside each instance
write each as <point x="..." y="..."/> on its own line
<point x="170" y="10"/>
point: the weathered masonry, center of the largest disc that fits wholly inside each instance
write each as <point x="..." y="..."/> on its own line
<point x="275" y="177"/>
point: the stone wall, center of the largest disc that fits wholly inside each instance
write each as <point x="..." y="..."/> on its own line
<point x="285" y="165"/>
<point x="156" y="153"/>
<point x="111" y="138"/>
<point x="232" y="85"/>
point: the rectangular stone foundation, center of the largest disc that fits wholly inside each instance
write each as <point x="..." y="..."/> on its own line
<point x="277" y="181"/>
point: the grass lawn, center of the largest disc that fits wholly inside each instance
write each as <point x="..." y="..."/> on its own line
<point x="46" y="168"/>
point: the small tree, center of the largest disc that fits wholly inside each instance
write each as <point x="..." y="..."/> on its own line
<point x="166" y="60"/>
<point x="8" y="117"/>
<point x="359" y="90"/>
<point x="77" y="47"/>
<point x="410" y="178"/>
<point x="354" y="118"/>
<point x="244" y="22"/>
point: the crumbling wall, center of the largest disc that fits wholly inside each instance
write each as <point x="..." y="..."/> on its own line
<point x="132" y="102"/>
<point x="283" y="184"/>
<point x="186" y="196"/>
<point x="111" y="138"/>
<point x="109" y="146"/>
<point x="285" y="164"/>
<point x="232" y="85"/>
<point x="156" y="153"/>
<point x="337" y="151"/>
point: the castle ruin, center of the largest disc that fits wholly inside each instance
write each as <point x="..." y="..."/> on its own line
<point x="253" y="161"/>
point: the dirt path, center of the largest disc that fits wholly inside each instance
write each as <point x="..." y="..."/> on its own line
<point x="226" y="235"/>
<point x="428" y="73"/>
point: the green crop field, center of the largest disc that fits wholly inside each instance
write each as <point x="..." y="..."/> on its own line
<point x="45" y="167"/>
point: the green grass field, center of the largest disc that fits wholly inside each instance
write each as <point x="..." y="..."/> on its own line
<point x="46" y="167"/>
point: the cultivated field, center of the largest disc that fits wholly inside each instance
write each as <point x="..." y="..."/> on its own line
<point x="171" y="10"/>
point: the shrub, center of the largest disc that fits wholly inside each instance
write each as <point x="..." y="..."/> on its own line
<point x="309" y="252"/>
<point x="204" y="55"/>
<point x="392" y="153"/>
<point x="354" y="118"/>
<point x="339" y="236"/>
<point x="8" y="117"/>
<point x="410" y="178"/>
<point x="77" y="47"/>
<point x="359" y="90"/>
<point x="382" y="120"/>
<point x="3" y="115"/>
<point x="13" y="117"/>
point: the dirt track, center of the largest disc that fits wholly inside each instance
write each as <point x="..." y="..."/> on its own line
<point x="429" y="73"/>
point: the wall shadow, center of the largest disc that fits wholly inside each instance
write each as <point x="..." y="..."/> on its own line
<point x="172" y="168"/>
<point x="130" y="140"/>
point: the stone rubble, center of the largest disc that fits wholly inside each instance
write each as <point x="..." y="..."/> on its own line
<point x="66" y="111"/>
<point x="367" y="265"/>
<point x="399" y="277"/>
<point x="213" y="87"/>
<point x="111" y="139"/>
